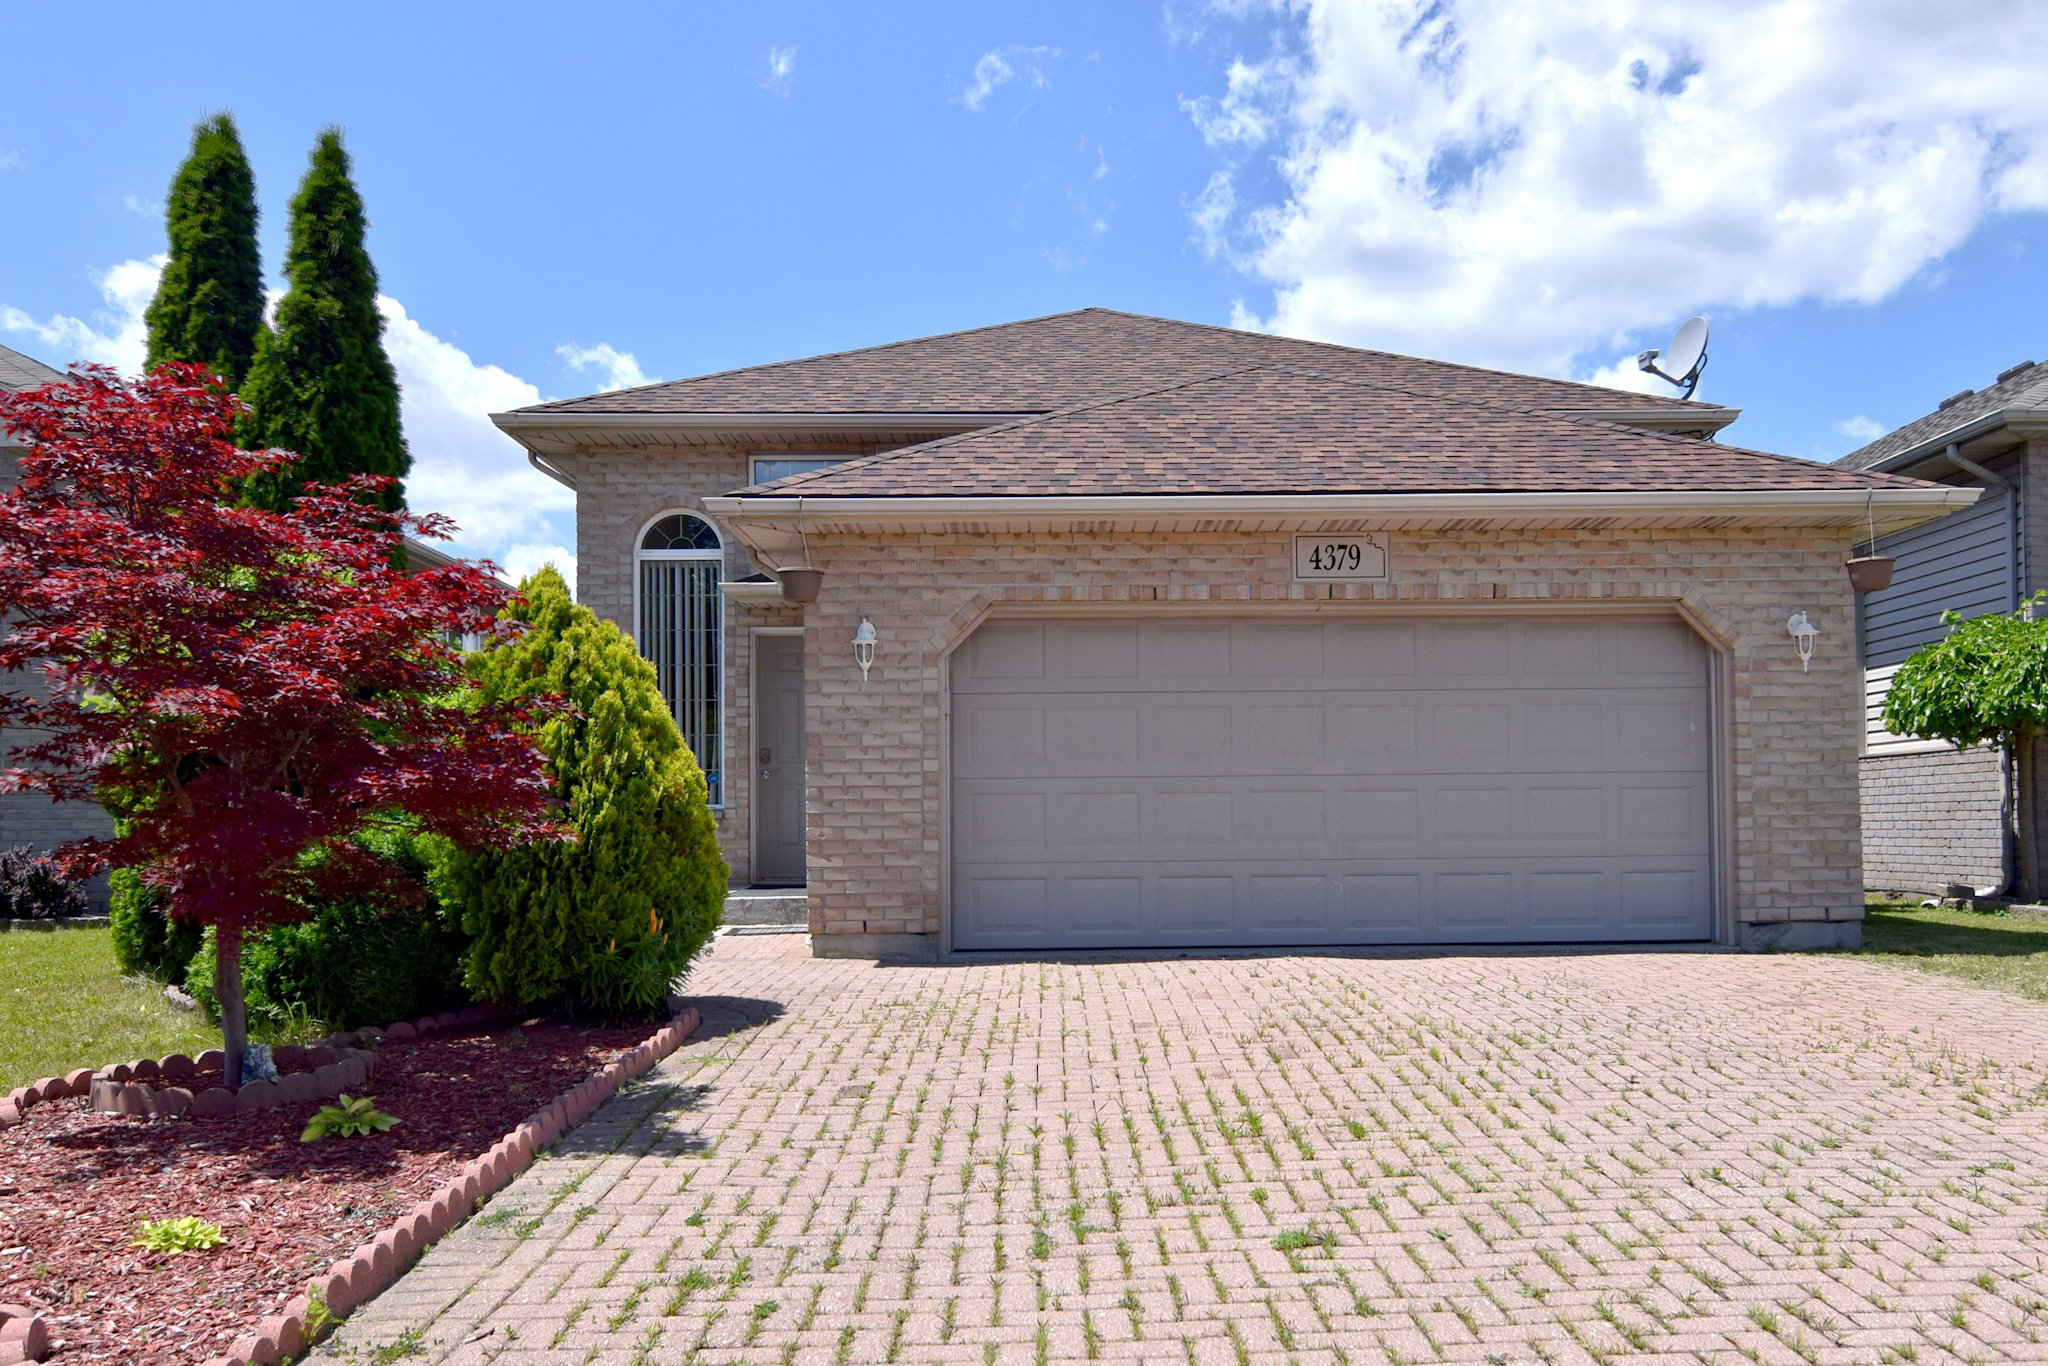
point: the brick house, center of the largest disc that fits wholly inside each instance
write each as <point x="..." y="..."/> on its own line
<point x="1932" y="814"/>
<point x="1181" y="636"/>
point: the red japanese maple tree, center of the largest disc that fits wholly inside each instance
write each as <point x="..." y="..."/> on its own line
<point x="252" y="690"/>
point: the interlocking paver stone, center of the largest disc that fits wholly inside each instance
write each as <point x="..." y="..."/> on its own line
<point x="1609" y="1158"/>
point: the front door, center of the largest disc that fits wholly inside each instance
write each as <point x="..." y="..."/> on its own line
<point x="779" y="761"/>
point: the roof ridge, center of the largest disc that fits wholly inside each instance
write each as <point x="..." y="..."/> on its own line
<point x="1402" y="356"/>
<point x="825" y="355"/>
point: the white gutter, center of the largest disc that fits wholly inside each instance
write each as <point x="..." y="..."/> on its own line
<point x="1911" y="506"/>
<point x="560" y="477"/>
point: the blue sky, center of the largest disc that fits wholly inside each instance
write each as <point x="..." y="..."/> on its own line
<point x="1855" y="198"/>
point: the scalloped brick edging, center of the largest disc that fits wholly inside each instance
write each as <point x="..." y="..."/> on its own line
<point x="24" y="1334"/>
<point x="363" y="1274"/>
<point x="337" y="1066"/>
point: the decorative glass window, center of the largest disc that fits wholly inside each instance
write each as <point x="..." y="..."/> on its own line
<point x="678" y="612"/>
<point x="768" y="468"/>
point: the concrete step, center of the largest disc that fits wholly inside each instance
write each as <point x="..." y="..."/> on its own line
<point x="766" y="906"/>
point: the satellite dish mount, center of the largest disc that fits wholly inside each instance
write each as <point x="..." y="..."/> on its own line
<point x="1683" y="359"/>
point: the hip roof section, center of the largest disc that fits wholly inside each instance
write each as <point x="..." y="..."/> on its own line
<point x="1065" y="360"/>
<point x="1267" y="430"/>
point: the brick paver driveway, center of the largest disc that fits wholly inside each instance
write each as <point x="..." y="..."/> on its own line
<point x="1683" y="1156"/>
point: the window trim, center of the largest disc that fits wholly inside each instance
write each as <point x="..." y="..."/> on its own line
<point x="716" y="556"/>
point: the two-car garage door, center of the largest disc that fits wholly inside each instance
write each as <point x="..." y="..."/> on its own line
<point x="1400" y="780"/>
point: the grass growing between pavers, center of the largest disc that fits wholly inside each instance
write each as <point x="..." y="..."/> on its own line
<point x="1995" y="949"/>
<point x="64" y="1005"/>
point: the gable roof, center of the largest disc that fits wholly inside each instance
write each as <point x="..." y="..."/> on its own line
<point x="1068" y="359"/>
<point x="2020" y="391"/>
<point x="1277" y="429"/>
<point x="19" y="372"/>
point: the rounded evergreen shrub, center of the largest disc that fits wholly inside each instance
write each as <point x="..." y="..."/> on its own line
<point x="611" y="919"/>
<point x="145" y="940"/>
<point x="350" y="965"/>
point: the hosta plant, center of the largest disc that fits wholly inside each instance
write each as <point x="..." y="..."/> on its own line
<point x="347" y="1118"/>
<point x="187" y="1233"/>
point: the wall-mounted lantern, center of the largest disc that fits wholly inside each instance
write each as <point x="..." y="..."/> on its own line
<point x="864" y="647"/>
<point x="1804" y="634"/>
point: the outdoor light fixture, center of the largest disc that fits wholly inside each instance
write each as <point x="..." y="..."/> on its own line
<point x="1804" y="633"/>
<point x="864" y="647"/>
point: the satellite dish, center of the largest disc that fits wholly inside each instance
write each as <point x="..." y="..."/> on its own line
<point x="1683" y="361"/>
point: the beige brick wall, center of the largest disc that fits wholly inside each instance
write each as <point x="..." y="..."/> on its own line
<point x="618" y="492"/>
<point x="876" y="801"/>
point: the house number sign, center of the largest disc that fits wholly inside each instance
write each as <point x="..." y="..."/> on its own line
<point x="1339" y="559"/>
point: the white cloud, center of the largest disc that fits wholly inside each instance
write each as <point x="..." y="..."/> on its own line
<point x="621" y="368"/>
<point x="135" y="205"/>
<point x="781" y="70"/>
<point x="462" y="466"/>
<point x="114" y="336"/>
<point x="1860" y="429"/>
<point x="520" y="560"/>
<point x="1542" y="184"/>
<point x="995" y="69"/>
<point x="10" y="159"/>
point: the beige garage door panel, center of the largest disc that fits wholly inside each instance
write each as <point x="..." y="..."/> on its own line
<point x="1503" y="779"/>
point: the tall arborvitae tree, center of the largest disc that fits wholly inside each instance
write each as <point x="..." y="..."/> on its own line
<point x="209" y="302"/>
<point x="321" y="384"/>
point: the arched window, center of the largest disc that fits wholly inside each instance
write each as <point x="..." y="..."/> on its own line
<point x="678" y="563"/>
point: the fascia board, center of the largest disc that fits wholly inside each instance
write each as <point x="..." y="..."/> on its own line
<point x="1894" y="509"/>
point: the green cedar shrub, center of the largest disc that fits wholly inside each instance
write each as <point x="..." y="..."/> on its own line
<point x="611" y="919"/>
<point x="209" y="299"/>
<point x="350" y="963"/>
<point x="145" y="940"/>
<point x="321" y="384"/>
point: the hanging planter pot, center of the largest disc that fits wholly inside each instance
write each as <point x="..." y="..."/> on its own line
<point x="1871" y="573"/>
<point x="801" y="585"/>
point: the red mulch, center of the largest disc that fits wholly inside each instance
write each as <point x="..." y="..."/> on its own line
<point x="74" y="1184"/>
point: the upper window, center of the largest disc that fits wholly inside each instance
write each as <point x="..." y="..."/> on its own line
<point x="769" y="468"/>
<point x="680" y="531"/>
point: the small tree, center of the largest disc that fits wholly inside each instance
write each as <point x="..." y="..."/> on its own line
<point x="1986" y="682"/>
<point x="209" y="300"/>
<point x="251" y="691"/>
<point x="321" y="385"/>
<point x="614" y="918"/>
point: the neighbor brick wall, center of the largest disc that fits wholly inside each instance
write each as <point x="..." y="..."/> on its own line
<point x="1931" y="819"/>
<point x="877" y="812"/>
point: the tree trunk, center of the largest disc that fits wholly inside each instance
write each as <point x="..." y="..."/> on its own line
<point x="227" y="989"/>
<point x="2027" y="822"/>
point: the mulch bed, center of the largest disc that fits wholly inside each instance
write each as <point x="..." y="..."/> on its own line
<point x="74" y="1184"/>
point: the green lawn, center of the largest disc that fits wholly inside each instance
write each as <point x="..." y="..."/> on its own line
<point x="64" y="1005"/>
<point x="1989" y="948"/>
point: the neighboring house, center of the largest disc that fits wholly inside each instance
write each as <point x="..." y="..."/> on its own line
<point x="31" y="818"/>
<point x="1181" y="636"/>
<point x="1931" y="814"/>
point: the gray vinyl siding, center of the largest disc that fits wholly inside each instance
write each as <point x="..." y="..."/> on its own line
<point x="1962" y="561"/>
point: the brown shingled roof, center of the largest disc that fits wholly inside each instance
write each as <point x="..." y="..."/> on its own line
<point x="1057" y="362"/>
<point x="1281" y="430"/>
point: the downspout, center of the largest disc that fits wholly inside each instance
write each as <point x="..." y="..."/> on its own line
<point x="565" y="480"/>
<point x="2008" y="850"/>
